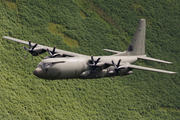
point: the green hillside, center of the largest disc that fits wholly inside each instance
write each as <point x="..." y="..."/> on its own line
<point x="87" y="27"/>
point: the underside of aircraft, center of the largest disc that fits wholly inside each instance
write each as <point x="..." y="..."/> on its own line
<point x="67" y="65"/>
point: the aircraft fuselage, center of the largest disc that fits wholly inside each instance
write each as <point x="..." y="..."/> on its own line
<point x="76" y="67"/>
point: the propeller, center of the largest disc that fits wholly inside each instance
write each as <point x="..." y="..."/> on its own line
<point x="117" y="67"/>
<point x="94" y="63"/>
<point x="30" y="50"/>
<point x="52" y="55"/>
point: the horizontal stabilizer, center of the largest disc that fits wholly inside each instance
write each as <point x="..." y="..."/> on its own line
<point x="113" y="51"/>
<point x="150" y="69"/>
<point x="153" y="59"/>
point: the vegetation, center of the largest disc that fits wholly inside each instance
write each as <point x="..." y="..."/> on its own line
<point x="86" y="27"/>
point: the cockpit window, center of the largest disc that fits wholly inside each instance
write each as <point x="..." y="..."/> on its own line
<point x="40" y="64"/>
<point x="44" y="65"/>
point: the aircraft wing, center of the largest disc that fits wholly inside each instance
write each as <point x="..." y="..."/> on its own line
<point x="153" y="59"/>
<point x="113" y="51"/>
<point x="149" y="69"/>
<point x="66" y="53"/>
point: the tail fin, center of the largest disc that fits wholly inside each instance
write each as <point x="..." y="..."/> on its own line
<point x="137" y="46"/>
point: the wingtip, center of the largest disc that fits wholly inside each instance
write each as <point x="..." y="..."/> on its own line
<point x="168" y="62"/>
<point x="174" y="73"/>
<point x="5" y="37"/>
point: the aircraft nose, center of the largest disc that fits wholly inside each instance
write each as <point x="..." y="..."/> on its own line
<point x="38" y="72"/>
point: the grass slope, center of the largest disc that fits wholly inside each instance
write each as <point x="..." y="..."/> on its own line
<point x="89" y="26"/>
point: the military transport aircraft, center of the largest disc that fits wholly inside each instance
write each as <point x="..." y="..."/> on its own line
<point x="66" y="65"/>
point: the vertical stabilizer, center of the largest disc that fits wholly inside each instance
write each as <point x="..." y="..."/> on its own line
<point x="137" y="46"/>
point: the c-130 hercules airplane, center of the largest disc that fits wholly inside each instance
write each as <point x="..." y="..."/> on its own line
<point x="68" y="65"/>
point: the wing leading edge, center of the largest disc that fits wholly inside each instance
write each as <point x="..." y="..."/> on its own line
<point x="66" y="53"/>
<point x="150" y="69"/>
<point x="153" y="59"/>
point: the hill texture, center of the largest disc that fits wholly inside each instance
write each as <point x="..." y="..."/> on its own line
<point x="87" y="27"/>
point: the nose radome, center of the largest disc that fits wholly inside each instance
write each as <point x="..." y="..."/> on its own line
<point x="38" y="72"/>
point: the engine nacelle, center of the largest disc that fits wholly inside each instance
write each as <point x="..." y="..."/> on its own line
<point x="95" y="74"/>
<point x="38" y="51"/>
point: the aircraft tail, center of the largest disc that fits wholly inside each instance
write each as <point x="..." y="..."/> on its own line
<point x="137" y="46"/>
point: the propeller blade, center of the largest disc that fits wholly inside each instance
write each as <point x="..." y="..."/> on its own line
<point x="93" y="65"/>
<point x="90" y="64"/>
<point x="34" y="46"/>
<point x="57" y="55"/>
<point x="97" y="61"/>
<point x="26" y="55"/>
<point x="118" y="63"/>
<point x="92" y="59"/>
<point x="122" y="67"/>
<point x="114" y="64"/>
<point x="26" y="48"/>
<point x="29" y="44"/>
<point x="49" y="52"/>
<point x="117" y="67"/>
<point x="53" y="50"/>
<point x="30" y="50"/>
<point x="52" y="54"/>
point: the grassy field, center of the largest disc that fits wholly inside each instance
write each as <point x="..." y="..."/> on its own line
<point x="87" y="27"/>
